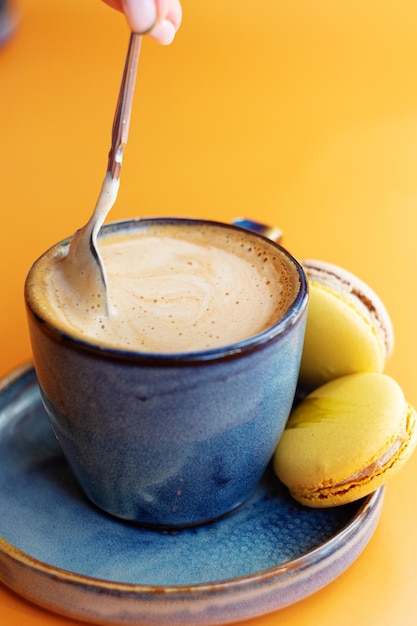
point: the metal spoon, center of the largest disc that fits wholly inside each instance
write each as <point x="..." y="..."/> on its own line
<point x="83" y="264"/>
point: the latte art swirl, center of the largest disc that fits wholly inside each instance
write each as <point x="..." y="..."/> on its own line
<point x="176" y="289"/>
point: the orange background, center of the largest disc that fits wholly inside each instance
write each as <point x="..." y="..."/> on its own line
<point x="301" y="114"/>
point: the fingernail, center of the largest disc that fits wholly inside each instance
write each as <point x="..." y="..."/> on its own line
<point x="164" y="32"/>
<point x="140" y="16"/>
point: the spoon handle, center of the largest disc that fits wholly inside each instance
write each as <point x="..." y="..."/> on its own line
<point x="124" y="106"/>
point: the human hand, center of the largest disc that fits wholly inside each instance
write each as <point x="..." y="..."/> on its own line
<point x="159" y="18"/>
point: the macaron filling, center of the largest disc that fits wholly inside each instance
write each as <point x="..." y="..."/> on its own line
<point x="374" y="469"/>
<point x="378" y="466"/>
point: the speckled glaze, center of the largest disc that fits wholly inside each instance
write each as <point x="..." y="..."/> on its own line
<point x="63" y="553"/>
<point x="171" y="440"/>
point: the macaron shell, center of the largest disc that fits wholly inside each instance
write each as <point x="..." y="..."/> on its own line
<point x="339" y="339"/>
<point x="337" y="441"/>
<point x="358" y="291"/>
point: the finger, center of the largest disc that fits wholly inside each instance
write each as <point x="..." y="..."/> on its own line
<point x="170" y="10"/>
<point x="141" y="16"/>
<point x="159" y="18"/>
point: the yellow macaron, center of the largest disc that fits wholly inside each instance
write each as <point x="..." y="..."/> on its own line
<point x="345" y="439"/>
<point x="348" y="327"/>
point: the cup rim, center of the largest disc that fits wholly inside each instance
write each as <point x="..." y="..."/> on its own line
<point x="250" y="344"/>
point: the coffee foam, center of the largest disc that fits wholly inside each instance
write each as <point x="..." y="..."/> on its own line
<point x="172" y="289"/>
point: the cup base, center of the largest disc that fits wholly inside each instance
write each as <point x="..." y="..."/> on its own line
<point x="170" y="526"/>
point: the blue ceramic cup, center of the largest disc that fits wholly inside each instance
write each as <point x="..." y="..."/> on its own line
<point x="170" y="439"/>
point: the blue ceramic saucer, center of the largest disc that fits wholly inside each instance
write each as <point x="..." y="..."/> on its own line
<point x="59" y="551"/>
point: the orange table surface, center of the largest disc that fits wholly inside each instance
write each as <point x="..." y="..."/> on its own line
<point x="300" y="114"/>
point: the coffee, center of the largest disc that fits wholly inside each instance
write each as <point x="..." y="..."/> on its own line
<point x="175" y="286"/>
